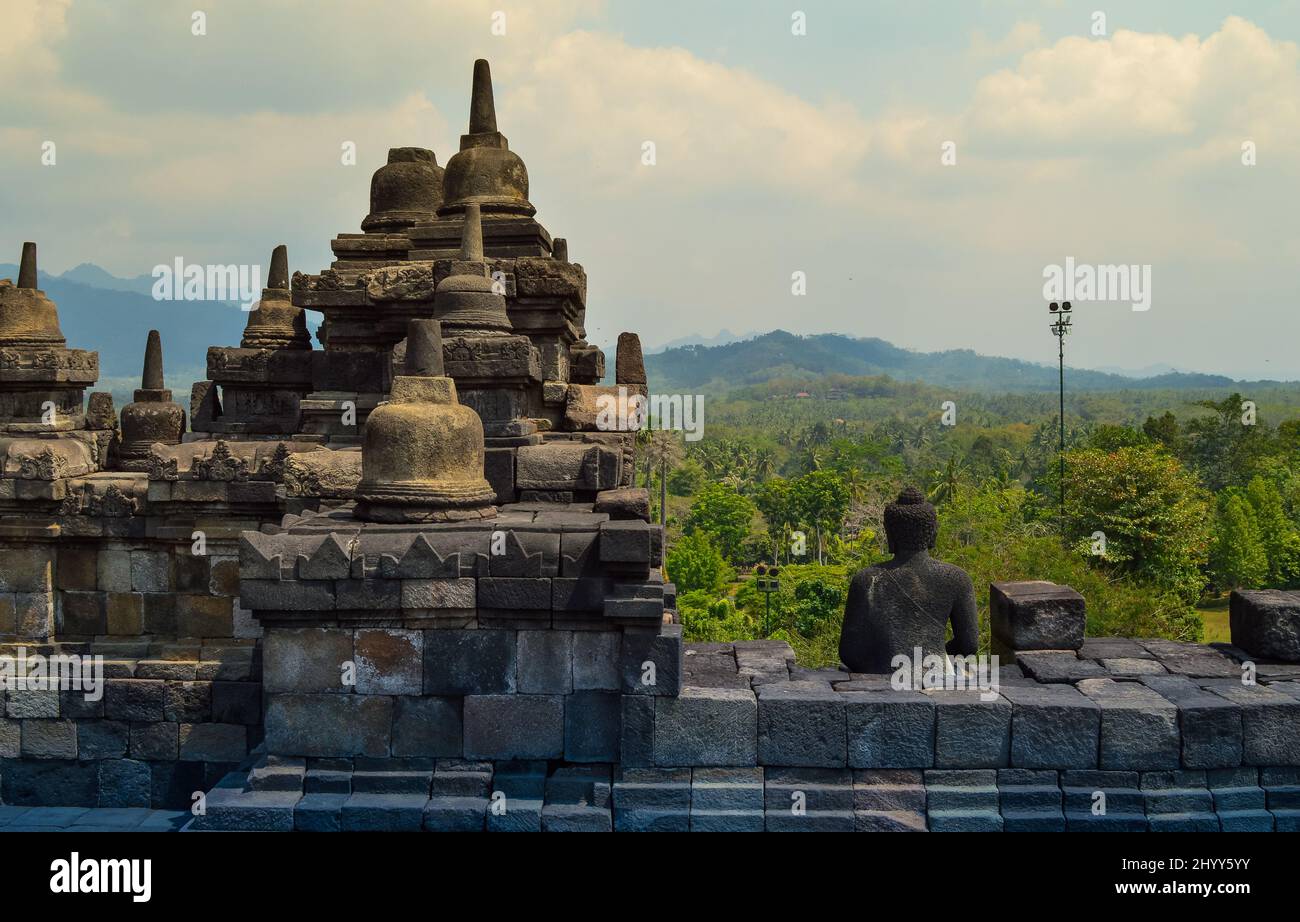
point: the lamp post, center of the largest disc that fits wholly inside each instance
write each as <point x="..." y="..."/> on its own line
<point x="767" y="583"/>
<point x="1060" y="329"/>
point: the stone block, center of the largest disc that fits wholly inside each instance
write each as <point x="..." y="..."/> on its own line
<point x="102" y="739"/>
<point x="626" y="543"/>
<point x="113" y="570"/>
<point x="651" y="660"/>
<point x="1270" y="724"/>
<point x="592" y="726"/>
<point x="237" y="703"/>
<point x="150" y="571"/>
<point x="801" y="724"/>
<point x="389" y="661"/>
<point x="319" y="813"/>
<point x="32" y="703"/>
<point x="210" y="742"/>
<point x="41" y="782"/>
<point x="969" y="731"/>
<point x="26" y="569"/>
<point x="514" y="726"/>
<point x="287" y="595"/>
<point x="576" y="818"/>
<point x="187" y="702"/>
<point x="636" y="747"/>
<point x="1035" y="615"/>
<point x="306" y="659"/>
<point x="514" y="594"/>
<point x="1058" y="666"/>
<point x="427" y="726"/>
<point x="76" y="568"/>
<point x="205" y="616"/>
<point x="82" y="613"/>
<point x="384" y="813"/>
<point x="546" y="662"/>
<point x="1052" y="726"/>
<point x="888" y="791"/>
<point x="34" y="615"/>
<point x="124" y="613"/>
<point x="124" y="783"/>
<point x="706" y="726"/>
<point x="596" y="660"/>
<point x="461" y="778"/>
<point x="455" y="814"/>
<point x="438" y="594"/>
<point x="1139" y="728"/>
<point x="235" y="810"/>
<point x="157" y="741"/>
<point x="470" y="662"/>
<point x="1209" y="724"/>
<point x="1266" y="623"/>
<point x="328" y="725"/>
<point x="135" y="699"/>
<point x="49" y="739"/>
<point x="892" y="729"/>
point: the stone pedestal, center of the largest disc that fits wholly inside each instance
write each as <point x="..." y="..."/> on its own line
<point x="1034" y="615"/>
<point x="1266" y="623"/>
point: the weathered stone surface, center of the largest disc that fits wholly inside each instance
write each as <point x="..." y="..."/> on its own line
<point x="1035" y="615"/>
<point x="1210" y="725"/>
<point x="624" y="503"/>
<point x="328" y="725"/>
<point x="1139" y="728"/>
<point x="651" y="660"/>
<point x="545" y="662"/>
<point x="1270" y="723"/>
<point x="306" y="659"/>
<point x="1058" y="666"/>
<point x="596" y="660"/>
<point x="636" y="748"/>
<point x="427" y="726"/>
<point x="124" y="783"/>
<point x="389" y="661"/>
<point x="970" y="731"/>
<point x="1266" y="623"/>
<point x="592" y="726"/>
<point x="706" y="726"/>
<point x="134" y="699"/>
<point x="514" y="726"/>
<point x="470" y="662"/>
<point x="49" y="739"/>
<point x="889" y="729"/>
<point x="1052" y="726"/>
<point x="212" y="742"/>
<point x="100" y="739"/>
<point x="439" y="593"/>
<point x="801" y="724"/>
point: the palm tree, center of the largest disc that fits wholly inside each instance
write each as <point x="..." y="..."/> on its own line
<point x="664" y="449"/>
<point x="945" y="481"/>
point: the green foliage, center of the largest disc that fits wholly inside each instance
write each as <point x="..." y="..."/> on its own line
<point x="695" y="564"/>
<point x="707" y="618"/>
<point x="1238" y="557"/>
<point x="721" y="513"/>
<point x="686" y="479"/>
<point x="1149" y="508"/>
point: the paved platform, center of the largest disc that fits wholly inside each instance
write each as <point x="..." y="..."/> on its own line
<point x="93" y="819"/>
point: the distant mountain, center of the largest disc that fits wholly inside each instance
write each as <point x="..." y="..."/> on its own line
<point x="723" y="338"/>
<point x="115" y="318"/>
<point x="779" y="354"/>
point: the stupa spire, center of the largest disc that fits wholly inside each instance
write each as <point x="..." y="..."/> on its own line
<point x="482" y="107"/>
<point x="152" y="378"/>
<point x="27" y="269"/>
<point x="278" y="275"/>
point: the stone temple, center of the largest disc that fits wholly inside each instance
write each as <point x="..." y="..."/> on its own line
<point x="404" y="581"/>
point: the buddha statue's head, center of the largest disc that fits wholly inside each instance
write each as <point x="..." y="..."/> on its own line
<point x="911" y="524"/>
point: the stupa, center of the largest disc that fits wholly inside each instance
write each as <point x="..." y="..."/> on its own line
<point x="152" y="417"/>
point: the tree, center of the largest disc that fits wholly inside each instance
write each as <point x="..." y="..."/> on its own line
<point x="1237" y="558"/>
<point x="1164" y="429"/>
<point x="1280" y="542"/>
<point x="821" y="500"/>
<point x="663" y="450"/>
<point x="1149" y="508"/>
<point x="1226" y="446"/>
<point x="721" y="513"/>
<point x="693" y="562"/>
<point x="686" y="478"/>
<point x="774" y="502"/>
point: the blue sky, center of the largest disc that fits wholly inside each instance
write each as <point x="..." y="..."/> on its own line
<point x="777" y="153"/>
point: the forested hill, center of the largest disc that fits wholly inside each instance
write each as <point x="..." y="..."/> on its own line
<point x="782" y="355"/>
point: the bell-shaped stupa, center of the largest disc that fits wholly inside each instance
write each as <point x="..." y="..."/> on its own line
<point x="422" y="458"/>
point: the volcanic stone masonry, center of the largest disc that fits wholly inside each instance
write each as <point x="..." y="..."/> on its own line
<point x="403" y="581"/>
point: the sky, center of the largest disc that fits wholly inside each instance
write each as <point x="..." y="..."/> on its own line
<point x="1163" y="136"/>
